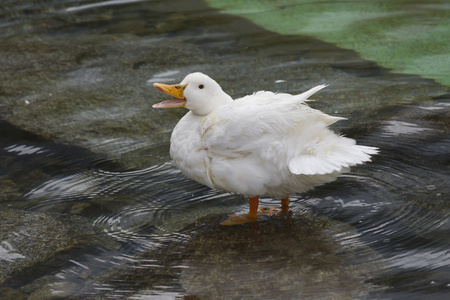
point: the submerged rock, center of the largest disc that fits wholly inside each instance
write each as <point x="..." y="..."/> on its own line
<point x="292" y="257"/>
<point x="9" y="293"/>
<point x="31" y="241"/>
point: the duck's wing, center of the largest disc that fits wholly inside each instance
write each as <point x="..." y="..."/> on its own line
<point x="250" y="123"/>
<point x="297" y="134"/>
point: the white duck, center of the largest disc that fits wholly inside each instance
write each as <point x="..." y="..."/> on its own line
<point x="263" y="144"/>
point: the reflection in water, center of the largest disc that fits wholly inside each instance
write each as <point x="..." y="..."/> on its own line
<point x="7" y="252"/>
<point x="24" y="149"/>
<point x="100" y="4"/>
<point x="167" y="76"/>
<point x="393" y="128"/>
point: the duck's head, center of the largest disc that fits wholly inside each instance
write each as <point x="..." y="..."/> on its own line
<point x="197" y="92"/>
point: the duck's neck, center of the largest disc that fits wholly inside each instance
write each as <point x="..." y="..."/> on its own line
<point x="210" y="106"/>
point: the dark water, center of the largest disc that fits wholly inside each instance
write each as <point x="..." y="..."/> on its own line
<point x="80" y="147"/>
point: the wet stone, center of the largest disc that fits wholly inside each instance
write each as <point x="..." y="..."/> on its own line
<point x="283" y="258"/>
<point x="55" y="291"/>
<point x="9" y="293"/>
<point x="8" y="190"/>
<point x="29" y="239"/>
<point x="276" y="258"/>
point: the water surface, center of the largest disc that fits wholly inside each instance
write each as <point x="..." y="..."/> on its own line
<point x="85" y="158"/>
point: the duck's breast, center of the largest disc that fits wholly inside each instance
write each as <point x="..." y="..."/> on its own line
<point x="187" y="152"/>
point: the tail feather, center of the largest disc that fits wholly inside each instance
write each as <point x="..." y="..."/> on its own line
<point x="304" y="96"/>
<point x="339" y="160"/>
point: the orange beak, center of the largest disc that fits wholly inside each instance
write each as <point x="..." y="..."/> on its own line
<point x="172" y="90"/>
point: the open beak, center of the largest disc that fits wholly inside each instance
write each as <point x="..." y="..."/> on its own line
<point x="172" y="90"/>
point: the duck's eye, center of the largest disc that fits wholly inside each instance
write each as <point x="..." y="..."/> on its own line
<point x="201" y="86"/>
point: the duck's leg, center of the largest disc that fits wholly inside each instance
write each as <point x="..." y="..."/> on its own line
<point x="253" y="212"/>
<point x="285" y="204"/>
<point x="242" y="219"/>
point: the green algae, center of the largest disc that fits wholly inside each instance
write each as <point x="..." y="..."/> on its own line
<point x="409" y="36"/>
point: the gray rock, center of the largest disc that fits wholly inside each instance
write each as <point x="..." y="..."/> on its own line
<point x="28" y="239"/>
<point x="290" y="257"/>
<point x="9" y="293"/>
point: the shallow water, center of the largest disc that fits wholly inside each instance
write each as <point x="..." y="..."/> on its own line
<point x="85" y="158"/>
